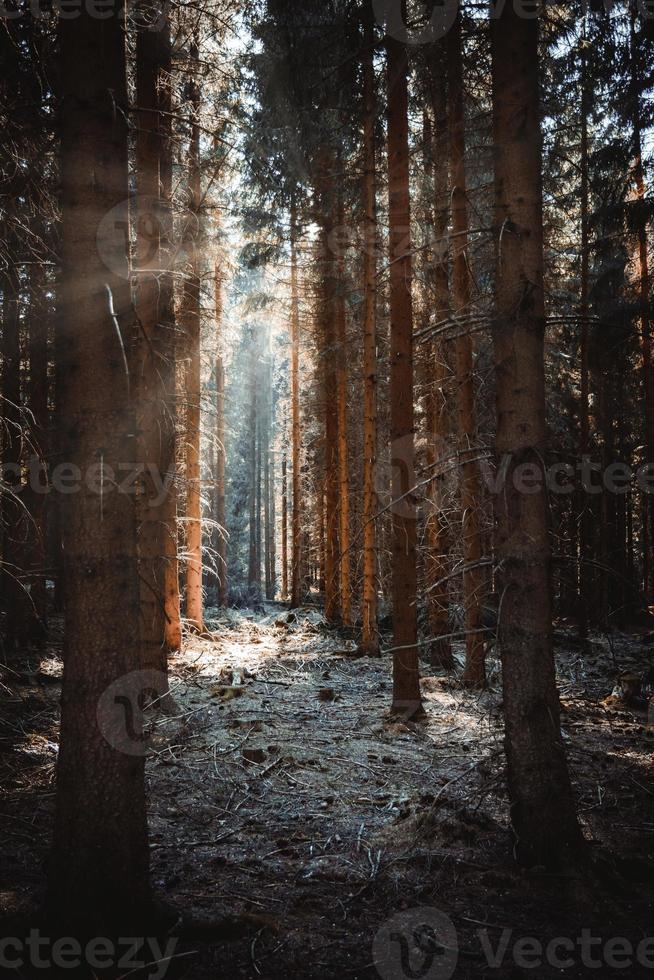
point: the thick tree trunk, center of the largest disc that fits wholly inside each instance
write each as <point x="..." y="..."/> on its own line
<point x="295" y="417"/>
<point x="192" y="325"/>
<point x="406" y="687"/>
<point x="370" y="629"/>
<point x="542" y="809"/>
<point x="98" y="881"/>
<point x="470" y="490"/>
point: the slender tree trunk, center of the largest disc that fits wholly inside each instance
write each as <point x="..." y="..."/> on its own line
<point x="295" y="417"/>
<point x="98" y="881"/>
<point x="370" y="629"/>
<point x="322" y="540"/>
<point x="474" y="674"/>
<point x="272" y="534"/>
<point x="192" y="324"/>
<point x="438" y="416"/>
<point x="341" y="398"/>
<point x="406" y="687"/>
<point x="220" y="538"/>
<point x="284" y="529"/>
<point x="168" y="365"/>
<point x="265" y="461"/>
<point x="327" y="313"/>
<point x="542" y="808"/>
<point x="257" y="502"/>
<point x="252" y="554"/>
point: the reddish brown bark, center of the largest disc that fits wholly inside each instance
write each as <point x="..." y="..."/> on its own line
<point x="370" y="629"/>
<point x="406" y="687"/>
<point x="542" y="809"/>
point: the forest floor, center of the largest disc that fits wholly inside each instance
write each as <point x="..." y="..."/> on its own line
<point x="303" y="831"/>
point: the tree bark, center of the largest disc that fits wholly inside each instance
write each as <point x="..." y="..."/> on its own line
<point x="295" y="417"/>
<point x="284" y="529"/>
<point x="341" y="398"/>
<point x="406" y="687"/>
<point x="474" y="674"/>
<point x="168" y="366"/>
<point x="98" y="879"/>
<point x="219" y="516"/>
<point x="543" y="816"/>
<point x="192" y="324"/>
<point x="327" y="315"/>
<point x="370" y="629"/>
<point x="439" y="393"/>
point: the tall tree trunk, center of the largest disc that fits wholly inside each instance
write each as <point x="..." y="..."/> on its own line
<point x="542" y="808"/>
<point x="370" y="629"/>
<point x="253" y="576"/>
<point x="406" y="687"/>
<point x="327" y="314"/>
<point x="265" y="462"/>
<point x="284" y="529"/>
<point x="257" y="484"/>
<point x="474" y="674"/>
<point x="192" y="324"/>
<point x="98" y="880"/>
<point x="295" y="417"/>
<point x="168" y="365"/>
<point x="438" y="397"/>
<point x="219" y="516"/>
<point x="341" y="397"/>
